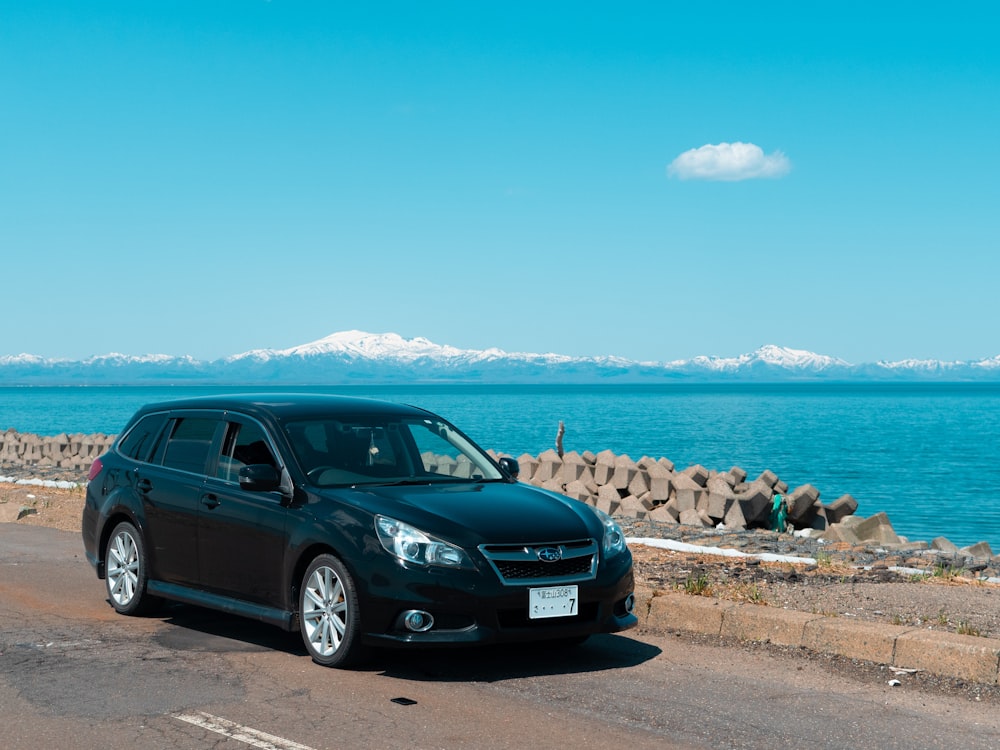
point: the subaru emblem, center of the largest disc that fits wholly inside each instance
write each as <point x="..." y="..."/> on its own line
<point x="549" y="554"/>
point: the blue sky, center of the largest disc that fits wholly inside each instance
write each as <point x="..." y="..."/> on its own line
<point x="653" y="180"/>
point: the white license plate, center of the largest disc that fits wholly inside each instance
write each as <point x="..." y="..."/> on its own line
<point x="554" y="601"/>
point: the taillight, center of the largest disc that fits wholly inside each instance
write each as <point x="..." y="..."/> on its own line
<point x="95" y="469"/>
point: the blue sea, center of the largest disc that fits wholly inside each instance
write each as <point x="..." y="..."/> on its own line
<point x="925" y="454"/>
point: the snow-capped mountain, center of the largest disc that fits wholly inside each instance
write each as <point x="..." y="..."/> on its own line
<point x="384" y="358"/>
<point x="767" y="356"/>
<point x="359" y="346"/>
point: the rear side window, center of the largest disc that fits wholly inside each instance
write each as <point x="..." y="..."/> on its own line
<point x="140" y="441"/>
<point x="189" y="444"/>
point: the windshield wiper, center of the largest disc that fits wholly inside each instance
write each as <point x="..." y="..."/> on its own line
<point x="433" y="480"/>
<point x="399" y="482"/>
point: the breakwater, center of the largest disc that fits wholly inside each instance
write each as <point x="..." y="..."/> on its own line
<point x="646" y="489"/>
<point x="63" y="456"/>
<point x="655" y="490"/>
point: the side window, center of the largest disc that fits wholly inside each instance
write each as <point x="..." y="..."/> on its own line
<point x="138" y="444"/>
<point x="189" y="444"/>
<point x="245" y="444"/>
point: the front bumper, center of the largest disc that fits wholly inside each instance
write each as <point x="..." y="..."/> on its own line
<point x="473" y="608"/>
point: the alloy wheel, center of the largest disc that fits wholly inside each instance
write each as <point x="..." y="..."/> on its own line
<point x="123" y="568"/>
<point x="324" y="611"/>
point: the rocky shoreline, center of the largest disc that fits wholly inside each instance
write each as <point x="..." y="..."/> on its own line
<point x="650" y="498"/>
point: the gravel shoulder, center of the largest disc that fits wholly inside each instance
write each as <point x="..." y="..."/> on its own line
<point x="946" y="602"/>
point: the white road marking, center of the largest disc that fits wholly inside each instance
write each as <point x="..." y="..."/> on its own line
<point x="231" y="729"/>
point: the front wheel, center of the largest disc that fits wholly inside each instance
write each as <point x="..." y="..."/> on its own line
<point x="127" y="570"/>
<point x="328" y="613"/>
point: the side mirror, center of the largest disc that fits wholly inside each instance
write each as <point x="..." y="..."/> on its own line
<point x="510" y="465"/>
<point x="259" y="478"/>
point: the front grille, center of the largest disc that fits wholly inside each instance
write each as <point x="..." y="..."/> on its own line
<point x="520" y="564"/>
<point x="517" y="570"/>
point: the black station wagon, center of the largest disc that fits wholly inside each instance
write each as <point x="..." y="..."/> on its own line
<point x="358" y="522"/>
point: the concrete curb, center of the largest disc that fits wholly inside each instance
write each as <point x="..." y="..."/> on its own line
<point x="962" y="657"/>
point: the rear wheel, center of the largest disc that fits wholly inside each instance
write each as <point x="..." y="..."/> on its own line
<point x="328" y="614"/>
<point x="127" y="571"/>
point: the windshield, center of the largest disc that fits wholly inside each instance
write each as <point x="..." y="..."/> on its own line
<point x="386" y="450"/>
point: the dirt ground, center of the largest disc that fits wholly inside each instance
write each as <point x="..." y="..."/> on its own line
<point x="42" y="506"/>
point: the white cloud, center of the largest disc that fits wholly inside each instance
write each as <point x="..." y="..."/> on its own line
<point x="728" y="162"/>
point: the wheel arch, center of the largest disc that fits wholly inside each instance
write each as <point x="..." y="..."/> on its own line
<point x="304" y="560"/>
<point x="115" y="517"/>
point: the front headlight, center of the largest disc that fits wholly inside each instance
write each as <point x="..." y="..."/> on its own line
<point x="614" y="538"/>
<point x="411" y="545"/>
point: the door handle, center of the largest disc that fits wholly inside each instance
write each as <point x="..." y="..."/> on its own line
<point x="143" y="485"/>
<point x="210" y="501"/>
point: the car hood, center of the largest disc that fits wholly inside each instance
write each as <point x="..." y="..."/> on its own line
<point x="491" y="513"/>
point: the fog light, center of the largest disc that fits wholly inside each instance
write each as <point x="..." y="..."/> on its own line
<point x="630" y="603"/>
<point x="418" y="621"/>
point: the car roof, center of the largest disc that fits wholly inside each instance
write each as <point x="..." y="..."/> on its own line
<point x="290" y="406"/>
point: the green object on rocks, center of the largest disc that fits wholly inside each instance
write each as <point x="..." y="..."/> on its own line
<point x="779" y="514"/>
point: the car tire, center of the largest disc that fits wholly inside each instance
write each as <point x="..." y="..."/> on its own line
<point x="127" y="571"/>
<point x="329" y="618"/>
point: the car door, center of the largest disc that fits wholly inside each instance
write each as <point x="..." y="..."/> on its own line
<point x="170" y="487"/>
<point x="242" y="538"/>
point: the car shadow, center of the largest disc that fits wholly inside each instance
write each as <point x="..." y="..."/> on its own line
<point x="197" y="629"/>
<point x="513" y="661"/>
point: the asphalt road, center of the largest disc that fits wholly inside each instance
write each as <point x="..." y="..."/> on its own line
<point x="73" y="674"/>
